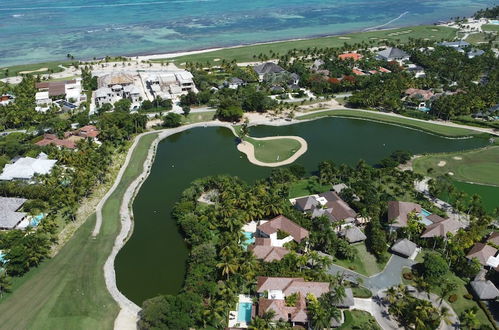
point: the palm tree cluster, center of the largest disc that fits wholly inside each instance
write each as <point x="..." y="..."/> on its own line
<point x="412" y="312"/>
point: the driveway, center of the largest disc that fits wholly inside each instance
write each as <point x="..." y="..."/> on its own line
<point x="389" y="277"/>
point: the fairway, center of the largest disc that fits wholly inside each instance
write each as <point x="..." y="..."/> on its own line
<point x="247" y="53"/>
<point x="490" y="27"/>
<point x="407" y="122"/>
<point x="276" y="150"/>
<point x="68" y="291"/>
<point x="476" y="166"/>
<point x="488" y="194"/>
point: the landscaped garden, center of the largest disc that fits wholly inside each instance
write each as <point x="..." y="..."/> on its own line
<point x="355" y="319"/>
<point x="364" y="262"/>
<point x="308" y="186"/>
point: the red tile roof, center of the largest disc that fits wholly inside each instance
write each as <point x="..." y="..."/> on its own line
<point x="268" y="253"/>
<point x="398" y="212"/>
<point x="358" y="72"/>
<point x="353" y="56"/>
<point x="284" y="224"/>
<point x="54" y="140"/>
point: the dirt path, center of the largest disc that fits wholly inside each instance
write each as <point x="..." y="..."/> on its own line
<point x="249" y="150"/>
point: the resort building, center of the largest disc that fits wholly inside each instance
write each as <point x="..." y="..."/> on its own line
<point x="9" y="215"/>
<point x="26" y="168"/>
<point x="274" y="290"/>
<point x="393" y="54"/>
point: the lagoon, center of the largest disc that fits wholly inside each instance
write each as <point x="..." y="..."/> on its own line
<point x="153" y="260"/>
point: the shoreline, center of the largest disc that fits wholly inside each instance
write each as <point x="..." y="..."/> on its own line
<point x="146" y="56"/>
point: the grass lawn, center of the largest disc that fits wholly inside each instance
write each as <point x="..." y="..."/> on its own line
<point x="198" y="117"/>
<point x="361" y="292"/>
<point x="478" y="38"/>
<point x="307" y="186"/>
<point x="68" y="291"/>
<point x="407" y="122"/>
<point x="14" y="70"/>
<point x="478" y="166"/>
<point x="490" y="27"/>
<point x="355" y="319"/>
<point x="246" y="53"/>
<point x="271" y="151"/>
<point x="364" y="262"/>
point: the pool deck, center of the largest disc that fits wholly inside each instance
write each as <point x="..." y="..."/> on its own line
<point x="233" y="315"/>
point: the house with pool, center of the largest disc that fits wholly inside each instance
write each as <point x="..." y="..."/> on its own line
<point x="266" y="239"/>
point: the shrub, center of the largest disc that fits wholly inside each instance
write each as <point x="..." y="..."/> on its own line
<point x="408" y="276"/>
<point x="453" y="298"/>
<point x="467" y="296"/>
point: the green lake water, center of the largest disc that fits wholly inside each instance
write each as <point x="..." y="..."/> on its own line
<point x="153" y="260"/>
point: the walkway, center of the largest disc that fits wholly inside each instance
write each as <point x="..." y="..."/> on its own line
<point x="389" y="277"/>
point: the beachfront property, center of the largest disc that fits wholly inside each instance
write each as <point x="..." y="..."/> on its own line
<point x="68" y="90"/>
<point x="70" y="138"/>
<point x="392" y="54"/>
<point x="269" y="237"/>
<point x="270" y="71"/>
<point x="463" y="47"/>
<point x="328" y="204"/>
<point x="43" y="101"/>
<point x="115" y="86"/>
<point x="169" y="84"/>
<point x="26" y="168"/>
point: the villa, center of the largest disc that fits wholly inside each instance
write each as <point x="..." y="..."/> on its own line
<point x="405" y="248"/>
<point x="494" y="238"/>
<point x="392" y="54"/>
<point x="270" y="236"/>
<point x="353" y="235"/>
<point x="353" y="56"/>
<point x="70" y="138"/>
<point x="26" y="168"/>
<point x="398" y="213"/>
<point x="266" y="71"/>
<point x="9" y="215"/>
<point x="6" y="99"/>
<point x="169" y="85"/>
<point x="115" y="86"/>
<point x="274" y="290"/>
<point x="43" y="101"/>
<point x="484" y="290"/>
<point x="441" y="227"/>
<point x="70" y="90"/>
<point x="52" y="139"/>
<point x="485" y="254"/>
<point x="327" y="204"/>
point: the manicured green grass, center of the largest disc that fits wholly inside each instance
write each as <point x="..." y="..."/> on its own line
<point x="407" y="122"/>
<point x="362" y="292"/>
<point x="271" y="151"/>
<point x="364" y="262"/>
<point x="356" y="319"/>
<point x="490" y="27"/>
<point x="247" y="53"/>
<point x="68" y="291"/>
<point x="308" y="186"/>
<point x="488" y="194"/>
<point x="14" y="70"/>
<point x="198" y="117"/>
<point x="478" y="38"/>
<point x="478" y="166"/>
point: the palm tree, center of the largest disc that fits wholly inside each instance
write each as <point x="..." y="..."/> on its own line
<point x="4" y="283"/>
<point x="445" y="315"/>
<point x="228" y="267"/>
<point x="447" y="288"/>
<point x="469" y="319"/>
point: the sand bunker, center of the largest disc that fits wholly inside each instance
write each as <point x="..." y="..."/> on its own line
<point x="451" y="173"/>
<point x="248" y="149"/>
<point x="457" y="158"/>
<point x="216" y="60"/>
<point x="38" y="70"/>
<point x="442" y="163"/>
<point x="344" y="38"/>
<point x="434" y="30"/>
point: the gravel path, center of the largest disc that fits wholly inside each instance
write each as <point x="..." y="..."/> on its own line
<point x="248" y="149"/>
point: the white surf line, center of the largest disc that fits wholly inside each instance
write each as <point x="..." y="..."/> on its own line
<point x="104" y="5"/>
<point x="387" y="23"/>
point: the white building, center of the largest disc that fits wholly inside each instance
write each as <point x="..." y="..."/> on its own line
<point x="26" y="168"/>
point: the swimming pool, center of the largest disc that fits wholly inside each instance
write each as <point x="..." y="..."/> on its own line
<point x="244" y="312"/>
<point x="494" y="21"/>
<point x="2" y="257"/>
<point x="35" y="221"/>
<point x="425" y="213"/>
<point x="248" y="239"/>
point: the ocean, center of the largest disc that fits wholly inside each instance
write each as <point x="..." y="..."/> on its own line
<point x="46" y="30"/>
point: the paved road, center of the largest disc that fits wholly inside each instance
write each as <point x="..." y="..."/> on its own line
<point x="389" y="277"/>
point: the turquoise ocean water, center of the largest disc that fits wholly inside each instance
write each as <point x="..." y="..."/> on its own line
<point x="45" y="30"/>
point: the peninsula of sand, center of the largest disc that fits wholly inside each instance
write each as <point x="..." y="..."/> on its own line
<point x="249" y="150"/>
